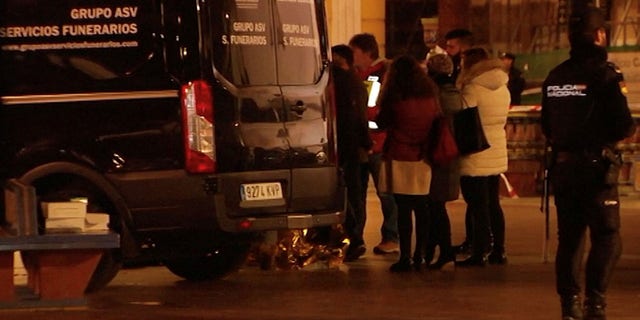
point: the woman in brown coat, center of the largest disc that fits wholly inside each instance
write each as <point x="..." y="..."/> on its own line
<point x="408" y="106"/>
<point x="445" y="180"/>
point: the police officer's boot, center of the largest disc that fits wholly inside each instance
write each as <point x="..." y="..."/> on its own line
<point x="594" y="307"/>
<point x="571" y="309"/>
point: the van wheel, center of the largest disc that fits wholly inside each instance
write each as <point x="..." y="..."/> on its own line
<point x="213" y="265"/>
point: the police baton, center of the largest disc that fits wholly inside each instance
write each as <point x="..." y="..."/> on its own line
<point x="544" y="203"/>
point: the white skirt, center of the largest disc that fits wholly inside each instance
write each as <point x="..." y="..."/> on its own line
<point x="404" y="177"/>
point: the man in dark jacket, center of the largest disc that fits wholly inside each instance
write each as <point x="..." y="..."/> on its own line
<point x="516" y="80"/>
<point x="584" y="115"/>
<point x="456" y="42"/>
<point x="371" y="68"/>
<point x="353" y="135"/>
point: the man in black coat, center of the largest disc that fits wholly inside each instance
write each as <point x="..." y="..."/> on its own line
<point x="353" y="135"/>
<point x="584" y="115"/>
<point x="516" y="82"/>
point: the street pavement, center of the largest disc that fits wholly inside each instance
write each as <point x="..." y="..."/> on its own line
<point x="365" y="289"/>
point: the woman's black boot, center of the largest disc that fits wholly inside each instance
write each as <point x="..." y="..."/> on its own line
<point x="443" y="259"/>
<point x="464" y="247"/>
<point x="403" y="265"/>
<point x="594" y="307"/>
<point x="571" y="307"/>
<point x="497" y="257"/>
<point x="417" y="262"/>
<point x="430" y="252"/>
<point x="473" y="261"/>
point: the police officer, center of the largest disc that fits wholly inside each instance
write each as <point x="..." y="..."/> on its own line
<point x="584" y="115"/>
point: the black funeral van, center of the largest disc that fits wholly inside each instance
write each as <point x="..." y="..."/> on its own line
<point x="193" y="123"/>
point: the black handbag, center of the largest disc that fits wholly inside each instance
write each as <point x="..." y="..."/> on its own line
<point x="468" y="130"/>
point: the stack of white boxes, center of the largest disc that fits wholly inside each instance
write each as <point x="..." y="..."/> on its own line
<point x="72" y="216"/>
<point x="64" y="216"/>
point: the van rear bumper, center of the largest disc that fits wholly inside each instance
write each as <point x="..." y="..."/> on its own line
<point x="275" y="222"/>
<point x="170" y="199"/>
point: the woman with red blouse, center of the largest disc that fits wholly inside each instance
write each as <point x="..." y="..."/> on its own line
<point x="408" y="105"/>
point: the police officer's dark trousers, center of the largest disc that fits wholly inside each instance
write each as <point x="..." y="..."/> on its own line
<point x="584" y="200"/>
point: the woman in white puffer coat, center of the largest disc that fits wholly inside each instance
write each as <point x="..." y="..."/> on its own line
<point x="483" y="83"/>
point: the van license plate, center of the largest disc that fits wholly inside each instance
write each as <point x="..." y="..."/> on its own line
<point x="260" y="191"/>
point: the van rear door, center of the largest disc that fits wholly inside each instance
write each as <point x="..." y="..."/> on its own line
<point x="270" y="59"/>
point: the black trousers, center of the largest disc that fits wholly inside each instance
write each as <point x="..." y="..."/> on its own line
<point x="439" y="233"/>
<point x="583" y="200"/>
<point x="418" y="204"/>
<point x="482" y="195"/>
<point x="356" y="215"/>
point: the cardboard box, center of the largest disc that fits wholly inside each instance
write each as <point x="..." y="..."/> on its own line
<point x="59" y="225"/>
<point x="96" y="222"/>
<point x="69" y="209"/>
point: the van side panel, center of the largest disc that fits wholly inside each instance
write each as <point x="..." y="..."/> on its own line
<point x="98" y="83"/>
<point x="53" y="47"/>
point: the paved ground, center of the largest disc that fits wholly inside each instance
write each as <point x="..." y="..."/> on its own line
<point x="523" y="289"/>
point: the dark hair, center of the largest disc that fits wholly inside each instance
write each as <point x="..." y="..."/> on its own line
<point x="583" y="24"/>
<point x="472" y="56"/>
<point x="344" y="51"/>
<point x="406" y="79"/>
<point x="367" y="43"/>
<point x="464" y="35"/>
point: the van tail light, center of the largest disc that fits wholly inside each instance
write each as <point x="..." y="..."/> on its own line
<point x="197" y="120"/>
